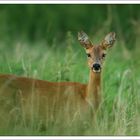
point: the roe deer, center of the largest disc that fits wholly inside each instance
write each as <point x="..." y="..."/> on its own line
<point x="16" y="92"/>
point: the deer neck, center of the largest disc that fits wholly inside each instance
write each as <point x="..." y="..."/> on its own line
<point x="93" y="88"/>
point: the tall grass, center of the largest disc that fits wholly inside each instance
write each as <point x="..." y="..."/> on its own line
<point x="119" y="112"/>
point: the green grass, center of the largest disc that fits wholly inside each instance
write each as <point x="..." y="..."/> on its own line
<point x="119" y="113"/>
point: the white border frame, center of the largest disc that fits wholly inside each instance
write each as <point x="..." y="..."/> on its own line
<point x="70" y="137"/>
<point x="70" y="2"/>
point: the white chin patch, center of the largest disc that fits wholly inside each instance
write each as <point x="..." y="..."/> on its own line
<point x="96" y="71"/>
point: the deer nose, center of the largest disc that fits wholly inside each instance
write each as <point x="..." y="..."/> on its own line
<point x="96" y="66"/>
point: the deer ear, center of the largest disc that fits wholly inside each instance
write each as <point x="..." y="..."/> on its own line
<point x="108" y="40"/>
<point x="84" y="40"/>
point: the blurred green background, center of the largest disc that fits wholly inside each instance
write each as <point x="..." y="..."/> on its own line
<point x="49" y="22"/>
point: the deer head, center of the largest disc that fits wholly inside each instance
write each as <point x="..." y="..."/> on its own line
<point x="96" y="53"/>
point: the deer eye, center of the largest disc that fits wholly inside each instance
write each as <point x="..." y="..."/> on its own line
<point x="88" y="55"/>
<point x="103" y="55"/>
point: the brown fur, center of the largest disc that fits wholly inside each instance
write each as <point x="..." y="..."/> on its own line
<point x="29" y="94"/>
